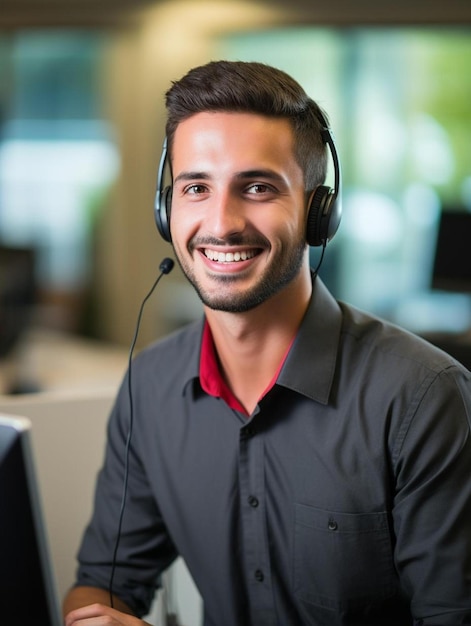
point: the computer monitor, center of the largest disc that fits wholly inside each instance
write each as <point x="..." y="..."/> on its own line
<point x="17" y="294"/>
<point x="27" y="587"/>
<point x="452" y="262"/>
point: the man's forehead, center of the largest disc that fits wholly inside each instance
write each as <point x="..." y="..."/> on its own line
<point x="228" y="119"/>
<point x="215" y="130"/>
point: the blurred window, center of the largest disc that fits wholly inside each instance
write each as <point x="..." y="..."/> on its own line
<point x="58" y="156"/>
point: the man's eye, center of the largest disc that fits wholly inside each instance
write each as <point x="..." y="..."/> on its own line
<point x="258" y="188"/>
<point x="195" y="189"/>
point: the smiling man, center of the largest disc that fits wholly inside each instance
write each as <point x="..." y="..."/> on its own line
<point x="311" y="463"/>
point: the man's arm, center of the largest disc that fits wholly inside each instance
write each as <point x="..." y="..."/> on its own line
<point x="433" y="502"/>
<point x="91" y="602"/>
<point x="82" y="596"/>
<point x="143" y="531"/>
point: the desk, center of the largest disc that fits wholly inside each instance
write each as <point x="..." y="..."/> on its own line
<point x="52" y="361"/>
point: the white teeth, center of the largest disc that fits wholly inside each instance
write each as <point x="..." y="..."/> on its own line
<point x="229" y="257"/>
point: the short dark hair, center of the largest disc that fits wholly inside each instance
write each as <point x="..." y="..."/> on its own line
<point x="249" y="87"/>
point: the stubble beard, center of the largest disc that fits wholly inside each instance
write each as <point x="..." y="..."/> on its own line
<point x="282" y="271"/>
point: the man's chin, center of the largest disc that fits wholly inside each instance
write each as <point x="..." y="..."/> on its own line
<point x="236" y="302"/>
<point x="227" y="304"/>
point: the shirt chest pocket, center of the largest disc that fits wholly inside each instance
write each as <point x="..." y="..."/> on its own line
<point x="342" y="561"/>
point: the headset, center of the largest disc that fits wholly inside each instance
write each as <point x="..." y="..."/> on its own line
<point x="325" y="210"/>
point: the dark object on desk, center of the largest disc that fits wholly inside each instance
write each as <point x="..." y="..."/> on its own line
<point x="452" y="262"/>
<point x="18" y="297"/>
<point x="17" y="294"/>
<point x="457" y="345"/>
<point x="452" y="273"/>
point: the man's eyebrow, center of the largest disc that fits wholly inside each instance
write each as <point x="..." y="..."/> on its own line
<point x="262" y="173"/>
<point x="188" y="176"/>
<point x="265" y="174"/>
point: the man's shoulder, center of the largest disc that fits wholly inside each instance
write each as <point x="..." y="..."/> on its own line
<point x="178" y="348"/>
<point x="386" y="340"/>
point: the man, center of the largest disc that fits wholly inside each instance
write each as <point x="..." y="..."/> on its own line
<point x="312" y="464"/>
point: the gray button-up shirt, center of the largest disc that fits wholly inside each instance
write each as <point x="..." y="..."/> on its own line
<point x="345" y="498"/>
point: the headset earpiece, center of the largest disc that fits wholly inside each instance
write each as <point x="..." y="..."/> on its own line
<point x="163" y="202"/>
<point x="163" y="199"/>
<point x="325" y="211"/>
<point x="323" y="217"/>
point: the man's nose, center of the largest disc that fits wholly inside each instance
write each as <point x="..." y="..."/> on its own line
<point x="225" y="215"/>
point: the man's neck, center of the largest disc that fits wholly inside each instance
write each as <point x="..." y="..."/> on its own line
<point x="251" y="345"/>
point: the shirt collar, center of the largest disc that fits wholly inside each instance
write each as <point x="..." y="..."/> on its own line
<point x="211" y="379"/>
<point x="309" y="365"/>
<point x="210" y="375"/>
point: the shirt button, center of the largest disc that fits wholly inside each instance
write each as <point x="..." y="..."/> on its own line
<point x="332" y="525"/>
<point x="247" y="432"/>
<point x="253" y="501"/>
<point x="258" y="575"/>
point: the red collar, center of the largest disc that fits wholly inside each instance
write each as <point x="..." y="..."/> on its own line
<point x="210" y="376"/>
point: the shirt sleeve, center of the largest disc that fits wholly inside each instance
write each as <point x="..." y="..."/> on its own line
<point x="432" y="507"/>
<point x="145" y="549"/>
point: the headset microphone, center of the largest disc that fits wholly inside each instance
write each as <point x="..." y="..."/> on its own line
<point x="165" y="267"/>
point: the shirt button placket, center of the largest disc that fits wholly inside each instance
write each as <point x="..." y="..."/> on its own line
<point x="255" y="548"/>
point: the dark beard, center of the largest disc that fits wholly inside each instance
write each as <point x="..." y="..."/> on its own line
<point x="282" y="272"/>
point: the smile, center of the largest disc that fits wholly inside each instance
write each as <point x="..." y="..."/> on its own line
<point x="229" y="257"/>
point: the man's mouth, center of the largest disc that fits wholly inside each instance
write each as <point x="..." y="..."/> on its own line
<point x="229" y="257"/>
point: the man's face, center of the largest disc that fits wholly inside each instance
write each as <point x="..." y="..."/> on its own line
<point x="238" y="218"/>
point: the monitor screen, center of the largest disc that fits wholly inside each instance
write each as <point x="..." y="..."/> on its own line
<point x="452" y="262"/>
<point x="26" y="582"/>
<point x="17" y="294"/>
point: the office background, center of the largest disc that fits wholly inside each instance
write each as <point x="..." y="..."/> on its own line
<point x="81" y="127"/>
